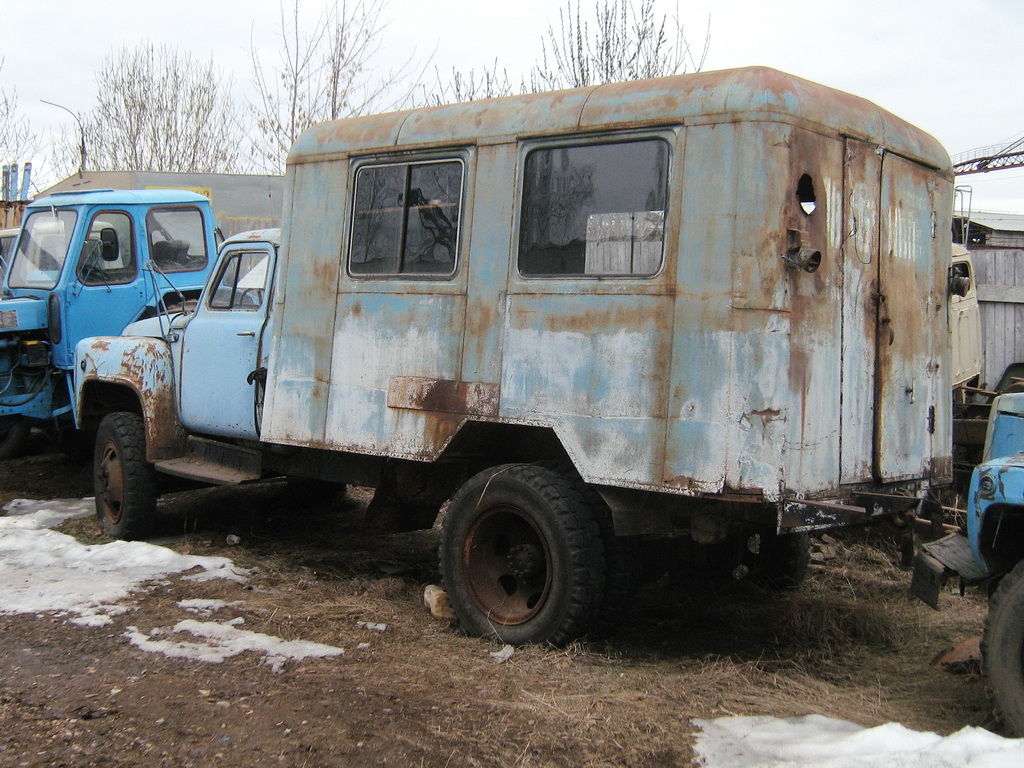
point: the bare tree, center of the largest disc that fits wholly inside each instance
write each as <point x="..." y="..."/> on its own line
<point x="16" y="137"/>
<point x="157" y="109"/>
<point x="323" y="73"/>
<point x="491" y="83"/>
<point x="622" y="41"/>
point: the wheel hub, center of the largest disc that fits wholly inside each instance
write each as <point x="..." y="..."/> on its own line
<point x="525" y="560"/>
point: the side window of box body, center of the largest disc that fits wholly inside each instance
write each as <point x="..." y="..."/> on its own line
<point x="594" y="208"/>
<point x="406" y="218"/>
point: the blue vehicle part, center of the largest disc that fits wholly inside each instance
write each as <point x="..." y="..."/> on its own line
<point x="88" y="264"/>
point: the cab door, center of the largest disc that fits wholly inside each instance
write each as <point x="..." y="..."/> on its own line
<point x="105" y="293"/>
<point x="221" y="347"/>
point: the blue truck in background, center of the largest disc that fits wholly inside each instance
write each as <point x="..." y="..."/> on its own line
<point x="991" y="554"/>
<point x="88" y="263"/>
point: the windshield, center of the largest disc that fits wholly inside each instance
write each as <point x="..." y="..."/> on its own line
<point x="42" y="249"/>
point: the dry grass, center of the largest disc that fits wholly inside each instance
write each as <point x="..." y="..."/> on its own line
<point x="851" y="643"/>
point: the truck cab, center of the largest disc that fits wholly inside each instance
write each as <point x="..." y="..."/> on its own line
<point x="85" y="264"/>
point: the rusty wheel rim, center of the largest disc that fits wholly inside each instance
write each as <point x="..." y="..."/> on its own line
<point x="507" y="565"/>
<point x="111" y="477"/>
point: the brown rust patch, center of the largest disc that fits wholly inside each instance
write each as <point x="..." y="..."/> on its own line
<point x="657" y="317"/>
<point x="443" y="395"/>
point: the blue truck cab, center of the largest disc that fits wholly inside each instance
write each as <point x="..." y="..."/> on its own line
<point x="992" y="553"/>
<point x="84" y="264"/>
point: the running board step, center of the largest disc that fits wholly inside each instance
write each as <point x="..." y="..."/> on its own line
<point x="210" y="461"/>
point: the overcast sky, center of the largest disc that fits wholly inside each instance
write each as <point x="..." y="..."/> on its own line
<point x="952" y="68"/>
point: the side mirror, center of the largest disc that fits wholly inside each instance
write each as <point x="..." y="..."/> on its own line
<point x="959" y="280"/>
<point x="109" y="249"/>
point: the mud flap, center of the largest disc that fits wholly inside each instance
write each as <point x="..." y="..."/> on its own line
<point x="929" y="577"/>
<point x="937" y="561"/>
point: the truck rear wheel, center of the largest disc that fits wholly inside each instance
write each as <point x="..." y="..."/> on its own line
<point x="521" y="556"/>
<point x="1003" y="650"/>
<point x="14" y="433"/>
<point x="124" y="483"/>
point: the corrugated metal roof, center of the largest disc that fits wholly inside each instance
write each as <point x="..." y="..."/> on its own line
<point x="1004" y="222"/>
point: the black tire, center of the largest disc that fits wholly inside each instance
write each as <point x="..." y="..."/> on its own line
<point x="14" y="434"/>
<point x="521" y="556"/>
<point x="125" y="484"/>
<point x="1003" y="650"/>
<point x="783" y="561"/>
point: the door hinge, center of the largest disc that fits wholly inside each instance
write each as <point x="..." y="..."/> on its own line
<point x="931" y="419"/>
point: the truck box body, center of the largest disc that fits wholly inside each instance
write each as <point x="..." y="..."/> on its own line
<point x="768" y="323"/>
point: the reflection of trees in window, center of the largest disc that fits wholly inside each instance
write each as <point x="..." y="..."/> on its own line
<point x="594" y="209"/>
<point x="406" y="219"/>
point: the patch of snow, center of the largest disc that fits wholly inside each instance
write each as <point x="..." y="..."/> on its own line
<point x="32" y="513"/>
<point x="219" y="642"/>
<point x="43" y="570"/>
<point x="822" y="742"/>
<point x="206" y="608"/>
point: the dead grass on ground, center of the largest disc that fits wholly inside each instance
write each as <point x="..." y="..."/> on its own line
<point x="850" y="643"/>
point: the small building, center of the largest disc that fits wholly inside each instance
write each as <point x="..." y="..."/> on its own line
<point x="240" y="201"/>
<point x="981" y="229"/>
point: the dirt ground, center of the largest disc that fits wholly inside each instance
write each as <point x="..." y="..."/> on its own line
<point x="851" y="643"/>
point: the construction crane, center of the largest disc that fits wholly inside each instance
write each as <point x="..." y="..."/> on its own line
<point x="987" y="159"/>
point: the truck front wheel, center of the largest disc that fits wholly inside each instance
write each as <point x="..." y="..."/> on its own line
<point x="521" y="556"/>
<point x="124" y="483"/>
<point x="1003" y="650"/>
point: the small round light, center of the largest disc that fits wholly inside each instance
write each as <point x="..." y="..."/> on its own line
<point x="987" y="486"/>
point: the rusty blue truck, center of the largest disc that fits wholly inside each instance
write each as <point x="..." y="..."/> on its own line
<point x="85" y="263"/>
<point x="694" y="317"/>
<point x="991" y="554"/>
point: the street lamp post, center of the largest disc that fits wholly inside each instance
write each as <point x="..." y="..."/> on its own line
<point x="81" y="134"/>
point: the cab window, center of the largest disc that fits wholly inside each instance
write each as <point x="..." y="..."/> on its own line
<point x="242" y="281"/>
<point x="177" y="239"/>
<point x="594" y="209"/>
<point x="108" y="255"/>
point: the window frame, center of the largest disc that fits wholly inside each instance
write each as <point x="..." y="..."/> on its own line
<point x="235" y="256"/>
<point x="526" y="148"/>
<point x="388" y="161"/>
<point x="149" y="239"/>
<point x="85" y="243"/>
<point x="14" y="273"/>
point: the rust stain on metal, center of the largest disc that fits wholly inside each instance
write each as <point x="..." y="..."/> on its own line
<point x="443" y="396"/>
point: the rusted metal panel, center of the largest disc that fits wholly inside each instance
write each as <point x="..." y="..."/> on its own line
<point x="912" y="416"/>
<point x="729" y="371"/>
<point x="735" y="95"/>
<point x="418" y="393"/>
<point x="860" y="223"/>
<point x="145" y="366"/>
<point x="295" y="409"/>
<point x="413" y="332"/>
